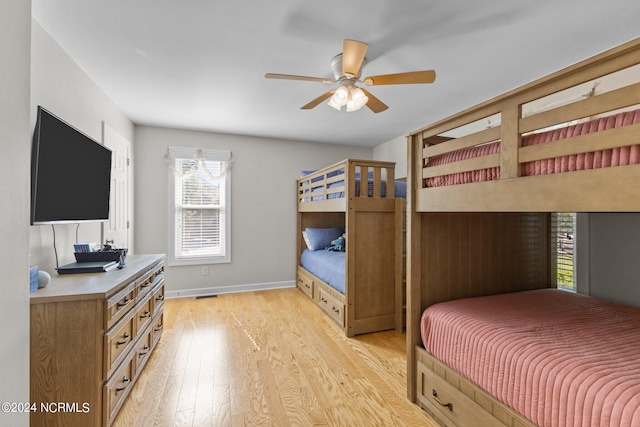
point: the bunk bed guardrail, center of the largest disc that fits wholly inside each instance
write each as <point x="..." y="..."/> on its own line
<point x="328" y="188"/>
<point x="500" y="157"/>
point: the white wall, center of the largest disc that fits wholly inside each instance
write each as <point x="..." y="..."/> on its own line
<point x="15" y="24"/>
<point x="61" y="86"/>
<point x="608" y="251"/>
<point x="263" y="205"/>
<point x="394" y="151"/>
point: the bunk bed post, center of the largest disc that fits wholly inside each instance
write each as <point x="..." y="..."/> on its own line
<point x="391" y="177"/>
<point x="400" y="260"/>
<point x="350" y="172"/>
<point x="413" y="274"/>
<point x="511" y="142"/>
<point x="399" y="246"/>
<point x="350" y="221"/>
<point x="298" y="234"/>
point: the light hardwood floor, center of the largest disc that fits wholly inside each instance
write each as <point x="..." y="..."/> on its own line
<point x="268" y="358"/>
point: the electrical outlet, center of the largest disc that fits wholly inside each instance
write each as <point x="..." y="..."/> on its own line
<point x="205" y="270"/>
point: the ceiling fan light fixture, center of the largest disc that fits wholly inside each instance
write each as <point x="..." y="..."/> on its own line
<point x="333" y="104"/>
<point x="357" y="99"/>
<point x="341" y="95"/>
<point x="339" y="98"/>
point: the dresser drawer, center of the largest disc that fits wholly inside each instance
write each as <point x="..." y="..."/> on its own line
<point x="117" y="388"/>
<point x="158" y="272"/>
<point x="119" y="304"/>
<point x="157" y="298"/>
<point x="333" y="306"/>
<point x="305" y="283"/>
<point x="144" y="313"/>
<point x="148" y="281"/>
<point x="145" y="283"/>
<point x="118" y="342"/>
<point x="143" y="349"/>
<point x="449" y="404"/>
<point x="157" y="326"/>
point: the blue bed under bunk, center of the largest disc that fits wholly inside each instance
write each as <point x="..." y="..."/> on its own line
<point x="328" y="266"/>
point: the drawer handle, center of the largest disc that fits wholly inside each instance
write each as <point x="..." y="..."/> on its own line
<point x="125" y="382"/>
<point x="146" y="284"/>
<point x="146" y="314"/>
<point x="123" y="302"/>
<point x="125" y="339"/>
<point x="159" y="297"/>
<point x="158" y="328"/>
<point x="144" y="351"/>
<point x="439" y="402"/>
<point x="308" y="286"/>
<point x="323" y="299"/>
<point x="335" y="310"/>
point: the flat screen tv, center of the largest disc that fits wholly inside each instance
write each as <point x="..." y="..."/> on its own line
<point x="70" y="174"/>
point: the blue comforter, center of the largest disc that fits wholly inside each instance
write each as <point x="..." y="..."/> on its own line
<point x="329" y="266"/>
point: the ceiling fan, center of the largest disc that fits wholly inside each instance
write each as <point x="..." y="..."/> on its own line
<point x="347" y="67"/>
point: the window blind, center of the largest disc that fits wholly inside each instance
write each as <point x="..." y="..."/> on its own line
<point x="199" y="203"/>
<point x="200" y="211"/>
<point x="563" y="229"/>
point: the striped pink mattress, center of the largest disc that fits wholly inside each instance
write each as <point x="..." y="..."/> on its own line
<point x="557" y="358"/>
<point x="600" y="159"/>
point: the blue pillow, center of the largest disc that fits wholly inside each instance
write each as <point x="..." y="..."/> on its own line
<point x="320" y="238"/>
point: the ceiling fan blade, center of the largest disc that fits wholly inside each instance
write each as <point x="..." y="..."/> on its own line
<point x="353" y="53"/>
<point x="374" y="103"/>
<point x="317" y="101"/>
<point x="292" y="77"/>
<point x="427" y="76"/>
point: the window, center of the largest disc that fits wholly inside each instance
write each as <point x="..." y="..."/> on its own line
<point x="199" y="206"/>
<point x="563" y="226"/>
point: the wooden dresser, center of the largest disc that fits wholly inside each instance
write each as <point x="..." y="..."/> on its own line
<point x="91" y="335"/>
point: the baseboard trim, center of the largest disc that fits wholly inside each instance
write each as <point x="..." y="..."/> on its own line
<point x="187" y="293"/>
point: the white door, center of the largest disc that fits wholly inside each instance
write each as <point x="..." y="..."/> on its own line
<point x="116" y="230"/>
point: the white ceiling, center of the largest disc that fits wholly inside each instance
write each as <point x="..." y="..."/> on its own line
<point x="200" y="64"/>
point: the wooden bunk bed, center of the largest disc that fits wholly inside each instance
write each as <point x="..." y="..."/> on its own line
<point x="479" y="208"/>
<point x="372" y="218"/>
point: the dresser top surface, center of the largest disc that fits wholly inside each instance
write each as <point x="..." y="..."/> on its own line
<point x="67" y="287"/>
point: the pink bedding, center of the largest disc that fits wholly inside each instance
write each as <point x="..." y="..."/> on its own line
<point x="559" y="359"/>
<point x="601" y="159"/>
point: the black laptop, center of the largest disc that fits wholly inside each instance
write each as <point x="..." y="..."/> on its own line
<point x="87" y="267"/>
